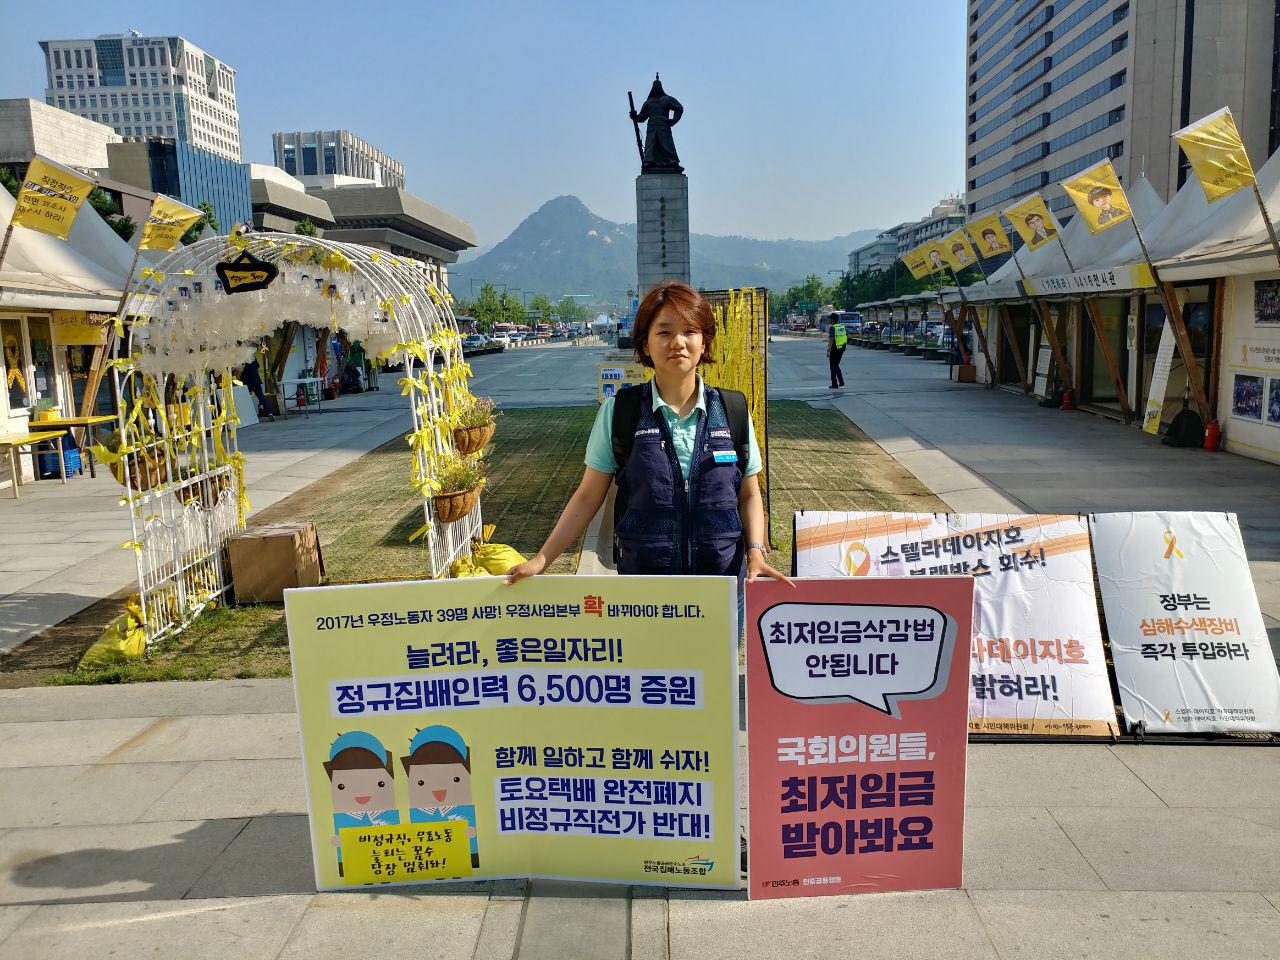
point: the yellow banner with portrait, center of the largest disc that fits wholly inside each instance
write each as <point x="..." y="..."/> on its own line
<point x="958" y="250"/>
<point x="1216" y="151"/>
<point x="1034" y="221"/>
<point x="573" y="727"/>
<point x="50" y="197"/>
<point x="989" y="236"/>
<point x="1099" y="197"/>
<point x="918" y="263"/>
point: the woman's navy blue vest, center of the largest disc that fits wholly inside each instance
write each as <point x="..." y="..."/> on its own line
<point x="665" y="528"/>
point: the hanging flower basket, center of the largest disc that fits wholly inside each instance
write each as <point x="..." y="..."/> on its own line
<point x="452" y="507"/>
<point x="470" y="440"/>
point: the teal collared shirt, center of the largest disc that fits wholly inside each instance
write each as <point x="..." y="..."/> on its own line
<point x="684" y="432"/>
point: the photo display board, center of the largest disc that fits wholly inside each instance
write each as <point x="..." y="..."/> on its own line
<point x="1037" y="659"/>
<point x="570" y="727"/>
<point x="1187" y="636"/>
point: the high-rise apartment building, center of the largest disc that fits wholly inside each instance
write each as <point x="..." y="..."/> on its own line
<point x="146" y="87"/>
<point x="335" y="152"/>
<point x="1054" y="87"/>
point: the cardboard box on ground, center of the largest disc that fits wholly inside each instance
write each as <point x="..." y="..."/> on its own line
<point x="266" y="560"/>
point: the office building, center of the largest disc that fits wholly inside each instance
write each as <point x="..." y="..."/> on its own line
<point x="28" y="127"/>
<point x="879" y="254"/>
<point x="146" y="87"/>
<point x="1053" y="88"/>
<point x="335" y="152"/>
<point x="280" y="202"/>
<point x="185" y="172"/>
<point x="942" y="219"/>
<point x="404" y="225"/>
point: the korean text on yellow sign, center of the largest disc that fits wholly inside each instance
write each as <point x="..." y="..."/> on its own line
<point x="1216" y="151"/>
<point x="1099" y="197"/>
<point x="1034" y="221"/>
<point x="917" y="262"/>
<point x="577" y="727"/>
<point x="50" y="197"/>
<point x="166" y="223"/>
<point x="614" y="376"/>
<point x="989" y="236"/>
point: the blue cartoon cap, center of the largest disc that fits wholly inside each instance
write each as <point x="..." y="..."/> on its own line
<point x="361" y="740"/>
<point x="438" y="734"/>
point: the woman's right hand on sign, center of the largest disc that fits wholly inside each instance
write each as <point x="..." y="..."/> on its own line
<point x="530" y="568"/>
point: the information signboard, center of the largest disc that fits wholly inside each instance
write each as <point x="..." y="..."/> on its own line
<point x="570" y="727"/>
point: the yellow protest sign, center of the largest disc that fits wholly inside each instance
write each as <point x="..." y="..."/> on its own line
<point x="1216" y="151"/>
<point x="50" y="197"/>
<point x="614" y="376"/>
<point x="166" y="223"/>
<point x="1033" y="220"/>
<point x="1099" y="197"/>
<point x="578" y="727"/>
<point x="957" y="249"/>
<point x="917" y="262"/>
<point x="935" y="257"/>
<point x="989" y="236"/>
<point x="78" y="328"/>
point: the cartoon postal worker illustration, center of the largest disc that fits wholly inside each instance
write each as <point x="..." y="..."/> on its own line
<point x="439" y="770"/>
<point x="361" y="784"/>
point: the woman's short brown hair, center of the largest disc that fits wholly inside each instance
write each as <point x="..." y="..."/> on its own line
<point x="687" y="303"/>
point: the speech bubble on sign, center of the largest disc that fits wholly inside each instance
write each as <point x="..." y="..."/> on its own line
<point x="874" y="654"/>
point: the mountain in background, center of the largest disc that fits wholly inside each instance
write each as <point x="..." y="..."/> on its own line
<point x="563" y="248"/>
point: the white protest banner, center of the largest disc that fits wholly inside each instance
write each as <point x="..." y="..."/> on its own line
<point x="1187" y="637"/>
<point x="1159" y="381"/>
<point x="1037" y="659"/>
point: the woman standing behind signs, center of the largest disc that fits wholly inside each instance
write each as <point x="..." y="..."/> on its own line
<point x="684" y="457"/>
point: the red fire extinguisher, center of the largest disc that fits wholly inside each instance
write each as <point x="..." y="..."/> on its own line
<point x="1068" y="399"/>
<point x="1212" y="436"/>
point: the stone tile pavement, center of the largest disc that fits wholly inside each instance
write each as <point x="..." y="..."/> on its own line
<point x="61" y="549"/>
<point x="169" y="819"/>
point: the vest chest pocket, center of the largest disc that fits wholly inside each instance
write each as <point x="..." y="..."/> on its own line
<point x="721" y="478"/>
<point x="649" y="478"/>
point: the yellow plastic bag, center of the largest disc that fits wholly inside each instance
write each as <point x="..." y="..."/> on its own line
<point x="463" y="567"/>
<point x="123" y="639"/>
<point x="495" y="558"/>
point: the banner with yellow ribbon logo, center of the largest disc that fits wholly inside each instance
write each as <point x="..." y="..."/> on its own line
<point x="50" y="198"/>
<point x="166" y="223"/>
<point x="1216" y="151"/>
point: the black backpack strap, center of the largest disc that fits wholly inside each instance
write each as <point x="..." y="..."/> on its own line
<point x="627" y="403"/>
<point x="739" y="417"/>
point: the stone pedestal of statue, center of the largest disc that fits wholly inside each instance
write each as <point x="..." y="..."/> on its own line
<point x="662" y="229"/>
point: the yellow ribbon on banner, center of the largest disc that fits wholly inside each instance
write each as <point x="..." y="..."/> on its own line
<point x="1171" y="543"/>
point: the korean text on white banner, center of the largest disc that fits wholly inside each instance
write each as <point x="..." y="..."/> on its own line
<point x="1037" y="660"/>
<point x="1187" y="637"/>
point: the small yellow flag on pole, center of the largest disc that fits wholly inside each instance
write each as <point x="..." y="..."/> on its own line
<point x="1217" y="154"/>
<point x="166" y="223"/>
<point x="1034" y="221"/>
<point x="1099" y="197"/>
<point x="50" y="198"/>
<point x="989" y="236"/>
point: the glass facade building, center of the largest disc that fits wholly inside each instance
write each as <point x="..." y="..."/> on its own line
<point x="191" y="175"/>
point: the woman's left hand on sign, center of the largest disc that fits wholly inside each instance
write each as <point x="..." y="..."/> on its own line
<point x="757" y="568"/>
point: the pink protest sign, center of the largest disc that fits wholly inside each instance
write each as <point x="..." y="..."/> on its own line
<point x="857" y="723"/>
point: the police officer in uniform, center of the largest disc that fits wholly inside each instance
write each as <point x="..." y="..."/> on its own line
<point x="837" y="340"/>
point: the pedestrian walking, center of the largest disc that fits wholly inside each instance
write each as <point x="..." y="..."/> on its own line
<point x="684" y="457"/>
<point x="837" y="340"/>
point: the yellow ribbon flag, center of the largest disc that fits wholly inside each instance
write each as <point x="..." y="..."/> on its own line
<point x="1099" y="197"/>
<point x="50" y="198"/>
<point x="958" y="250"/>
<point x="1217" y="154"/>
<point x="1034" y="221"/>
<point x="989" y="236"/>
<point x="166" y="223"/>
<point x="917" y="263"/>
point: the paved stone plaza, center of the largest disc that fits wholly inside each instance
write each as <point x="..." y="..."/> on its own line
<point x="169" y="819"/>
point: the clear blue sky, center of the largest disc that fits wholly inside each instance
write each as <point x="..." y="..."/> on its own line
<point x="804" y="120"/>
